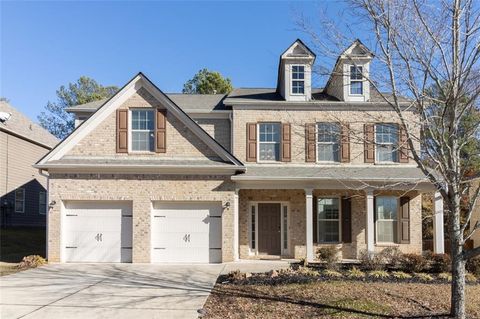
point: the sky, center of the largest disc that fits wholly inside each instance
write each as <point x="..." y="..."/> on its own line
<point x="48" y="44"/>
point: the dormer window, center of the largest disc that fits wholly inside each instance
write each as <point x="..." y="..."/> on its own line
<point x="298" y="79"/>
<point x="356" y="80"/>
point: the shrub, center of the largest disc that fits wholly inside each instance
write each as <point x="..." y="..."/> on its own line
<point x="31" y="261"/>
<point x="469" y="277"/>
<point x="401" y="275"/>
<point x="328" y="255"/>
<point x="332" y="273"/>
<point x="371" y="261"/>
<point x="424" y="277"/>
<point x="307" y="272"/>
<point x="473" y="266"/>
<point x="439" y="263"/>
<point x="414" y="263"/>
<point x="378" y="274"/>
<point x="355" y="273"/>
<point x="445" y="276"/>
<point x="391" y="256"/>
<point x="235" y="275"/>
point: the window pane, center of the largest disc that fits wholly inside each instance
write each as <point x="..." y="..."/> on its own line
<point x="386" y="207"/>
<point x="269" y="132"/>
<point x="328" y="231"/>
<point x="298" y="87"/>
<point x="356" y="87"/>
<point x="328" y="208"/>
<point x="270" y="152"/>
<point x="142" y="141"/>
<point x="142" y="120"/>
<point x="253" y="227"/>
<point x="19" y="194"/>
<point x="386" y="231"/>
<point x="356" y="72"/>
<point x="328" y="153"/>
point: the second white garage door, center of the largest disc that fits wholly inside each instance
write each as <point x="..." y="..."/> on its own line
<point x="187" y="232"/>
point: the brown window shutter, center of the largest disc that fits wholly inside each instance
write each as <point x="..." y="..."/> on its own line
<point x="286" y="143"/>
<point x="122" y="131"/>
<point x="251" y="142"/>
<point x="310" y="142"/>
<point x="346" y="220"/>
<point x="345" y="144"/>
<point x="315" y="219"/>
<point x="404" y="219"/>
<point x="161" y="132"/>
<point x="369" y="145"/>
<point x="403" y="146"/>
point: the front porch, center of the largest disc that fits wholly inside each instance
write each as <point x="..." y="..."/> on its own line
<point x="282" y="220"/>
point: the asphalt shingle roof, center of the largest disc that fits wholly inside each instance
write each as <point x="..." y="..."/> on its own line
<point x="21" y="125"/>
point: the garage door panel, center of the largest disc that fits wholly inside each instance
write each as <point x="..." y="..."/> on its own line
<point x="96" y="231"/>
<point x="186" y="232"/>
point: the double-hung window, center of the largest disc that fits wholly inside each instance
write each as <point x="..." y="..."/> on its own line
<point x="143" y="130"/>
<point x="386" y="142"/>
<point x="386" y="210"/>
<point x="356" y="80"/>
<point x="42" y="203"/>
<point x="269" y="141"/>
<point x="298" y="79"/>
<point x="20" y="200"/>
<point x="328" y="220"/>
<point x="328" y="142"/>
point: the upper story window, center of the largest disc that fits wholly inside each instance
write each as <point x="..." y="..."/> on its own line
<point x="356" y="80"/>
<point x="20" y="200"/>
<point x="143" y="130"/>
<point x="298" y="79"/>
<point x="386" y="210"/>
<point x="328" y="142"/>
<point x="328" y="220"/>
<point x="42" y="203"/>
<point x="269" y="141"/>
<point x="386" y="141"/>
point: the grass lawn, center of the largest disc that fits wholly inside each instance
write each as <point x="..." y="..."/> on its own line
<point x="15" y="243"/>
<point x="336" y="299"/>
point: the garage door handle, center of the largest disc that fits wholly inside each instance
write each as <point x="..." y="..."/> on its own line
<point x="70" y="247"/>
<point x="98" y="237"/>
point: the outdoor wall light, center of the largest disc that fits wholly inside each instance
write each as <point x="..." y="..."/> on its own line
<point x="52" y="203"/>
<point x="227" y="204"/>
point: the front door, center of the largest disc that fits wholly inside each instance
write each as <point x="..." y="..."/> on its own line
<point x="269" y="229"/>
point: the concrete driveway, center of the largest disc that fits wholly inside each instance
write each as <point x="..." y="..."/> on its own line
<point x="107" y="291"/>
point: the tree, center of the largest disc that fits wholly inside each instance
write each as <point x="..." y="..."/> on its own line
<point x="56" y="119"/>
<point x="207" y="82"/>
<point x="421" y="46"/>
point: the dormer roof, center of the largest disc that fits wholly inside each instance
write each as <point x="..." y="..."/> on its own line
<point x="357" y="49"/>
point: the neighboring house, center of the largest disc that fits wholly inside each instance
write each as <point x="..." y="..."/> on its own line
<point x="23" y="200"/>
<point x="258" y="173"/>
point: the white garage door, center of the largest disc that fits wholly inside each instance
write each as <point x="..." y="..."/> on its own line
<point x="187" y="232"/>
<point x="98" y="231"/>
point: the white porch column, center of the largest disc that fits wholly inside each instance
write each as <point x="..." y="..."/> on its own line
<point x="235" y="226"/>
<point x="438" y="236"/>
<point x="370" y="229"/>
<point x="309" y="223"/>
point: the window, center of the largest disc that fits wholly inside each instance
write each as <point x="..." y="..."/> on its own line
<point x="269" y="145"/>
<point x="143" y="130"/>
<point x="298" y="79"/>
<point x="328" y="141"/>
<point x="328" y="220"/>
<point x="386" y="140"/>
<point x="386" y="209"/>
<point x="42" y="203"/>
<point x="253" y="245"/>
<point x="356" y="80"/>
<point x="19" y="200"/>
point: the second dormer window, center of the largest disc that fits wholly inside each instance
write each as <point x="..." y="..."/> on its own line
<point x="298" y="79"/>
<point x="356" y="80"/>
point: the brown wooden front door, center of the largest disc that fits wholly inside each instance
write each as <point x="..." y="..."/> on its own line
<point x="269" y="229"/>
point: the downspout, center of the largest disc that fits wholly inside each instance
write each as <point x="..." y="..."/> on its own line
<point x="47" y="209"/>
<point x="232" y="140"/>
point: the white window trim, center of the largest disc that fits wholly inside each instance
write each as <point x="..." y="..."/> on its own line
<point x="387" y="243"/>
<point x="377" y="162"/>
<point x="279" y="143"/>
<point x="254" y="252"/>
<point x="130" y="131"/>
<point x="339" y="221"/>
<point x="350" y="80"/>
<point x="40" y="204"/>
<point x="292" y="79"/>
<point x="23" y="201"/>
<point x="325" y="143"/>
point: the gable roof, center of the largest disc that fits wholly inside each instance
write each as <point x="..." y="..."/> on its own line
<point x="20" y="125"/>
<point x="137" y="82"/>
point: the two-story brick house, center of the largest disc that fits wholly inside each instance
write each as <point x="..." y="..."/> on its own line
<point x="258" y="173"/>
